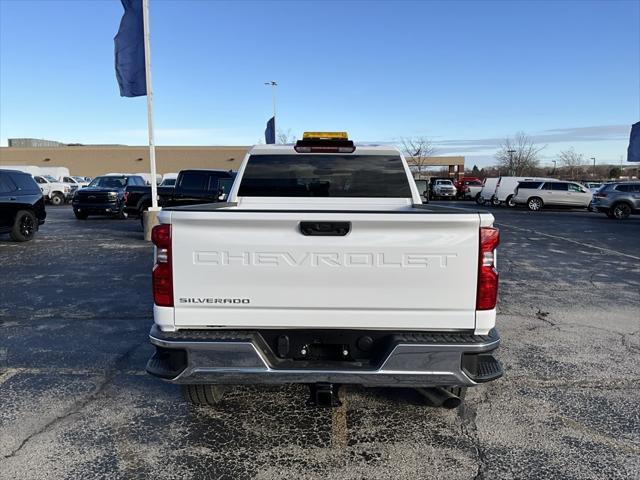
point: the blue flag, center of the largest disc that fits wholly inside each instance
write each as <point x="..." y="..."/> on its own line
<point x="129" y="46"/>
<point x="270" y="131"/>
<point x="633" y="152"/>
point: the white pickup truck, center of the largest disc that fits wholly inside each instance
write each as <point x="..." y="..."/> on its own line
<point x="53" y="190"/>
<point x="324" y="268"/>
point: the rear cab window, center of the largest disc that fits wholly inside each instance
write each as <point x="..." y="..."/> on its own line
<point x="193" y="181"/>
<point x="318" y="175"/>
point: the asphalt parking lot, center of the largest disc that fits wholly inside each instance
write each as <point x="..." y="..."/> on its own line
<point x="76" y="403"/>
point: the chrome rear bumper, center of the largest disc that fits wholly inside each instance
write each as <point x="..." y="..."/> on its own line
<point x="415" y="360"/>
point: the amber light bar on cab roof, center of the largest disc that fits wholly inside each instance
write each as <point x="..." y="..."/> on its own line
<point x="325" y="142"/>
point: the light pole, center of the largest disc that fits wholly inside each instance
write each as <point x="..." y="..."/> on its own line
<point x="594" y="166"/>
<point x="554" y="167"/>
<point x="511" y="152"/>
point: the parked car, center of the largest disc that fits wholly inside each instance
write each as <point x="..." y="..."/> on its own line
<point x="53" y="191"/>
<point x="506" y="186"/>
<point x="21" y="205"/>
<point x="537" y="194"/>
<point x="74" y="182"/>
<point x="192" y="187"/>
<point x="443" y="189"/>
<point x="593" y="186"/>
<point x="470" y="189"/>
<point x="462" y="181"/>
<point x="314" y="273"/>
<point x="488" y="190"/>
<point x="618" y="200"/>
<point x="105" y="195"/>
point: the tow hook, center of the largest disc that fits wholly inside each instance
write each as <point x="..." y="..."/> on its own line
<point x="323" y="395"/>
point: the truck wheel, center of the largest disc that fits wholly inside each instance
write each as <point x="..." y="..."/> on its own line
<point x="206" y="394"/>
<point x="80" y="215"/>
<point x="621" y="211"/>
<point x="479" y="199"/>
<point x="24" y="226"/>
<point x="534" y="204"/>
<point x="495" y="202"/>
<point x="509" y="201"/>
<point x="57" y="199"/>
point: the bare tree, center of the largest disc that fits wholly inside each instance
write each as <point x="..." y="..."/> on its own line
<point x="417" y="152"/>
<point x="285" y="137"/>
<point x="519" y="155"/>
<point x="572" y="160"/>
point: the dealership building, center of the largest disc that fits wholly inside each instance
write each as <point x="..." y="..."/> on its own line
<point x="94" y="160"/>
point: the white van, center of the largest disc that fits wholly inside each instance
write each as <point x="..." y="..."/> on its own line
<point x="507" y="185"/>
<point x="488" y="190"/>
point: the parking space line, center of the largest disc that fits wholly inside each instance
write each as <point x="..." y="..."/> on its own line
<point x="8" y="374"/>
<point x="557" y="237"/>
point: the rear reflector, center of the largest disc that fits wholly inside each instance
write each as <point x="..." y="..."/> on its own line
<point x="162" y="275"/>
<point x="487" y="273"/>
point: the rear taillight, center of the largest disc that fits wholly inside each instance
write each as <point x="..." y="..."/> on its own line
<point x="126" y="196"/>
<point x="600" y="195"/>
<point x="487" y="273"/>
<point x="162" y="275"/>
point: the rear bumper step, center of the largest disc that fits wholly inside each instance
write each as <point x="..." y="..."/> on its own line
<point x="410" y="359"/>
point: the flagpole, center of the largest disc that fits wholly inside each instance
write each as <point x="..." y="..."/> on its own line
<point x="273" y="84"/>
<point x="147" y="66"/>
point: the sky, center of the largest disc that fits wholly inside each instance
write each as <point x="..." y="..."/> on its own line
<point x="463" y="74"/>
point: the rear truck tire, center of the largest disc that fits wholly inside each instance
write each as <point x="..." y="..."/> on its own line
<point x="57" y="199"/>
<point x="509" y="202"/>
<point x="203" y="394"/>
<point x="479" y="199"/>
<point x="535" y="204"/>
<point x="495" y="202"/>
<point x="621" y="211"/>
<point x="80" y="215"/>
<point x="24" y="226"/>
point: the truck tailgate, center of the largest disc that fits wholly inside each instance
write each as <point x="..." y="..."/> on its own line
<point x="393" y="270"/>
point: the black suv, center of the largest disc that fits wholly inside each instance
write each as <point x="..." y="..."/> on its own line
<point x="21" y="205"/>
<point x="104" y="196"/>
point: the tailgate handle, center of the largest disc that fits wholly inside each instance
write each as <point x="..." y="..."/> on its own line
<point x="325" y="229"/>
